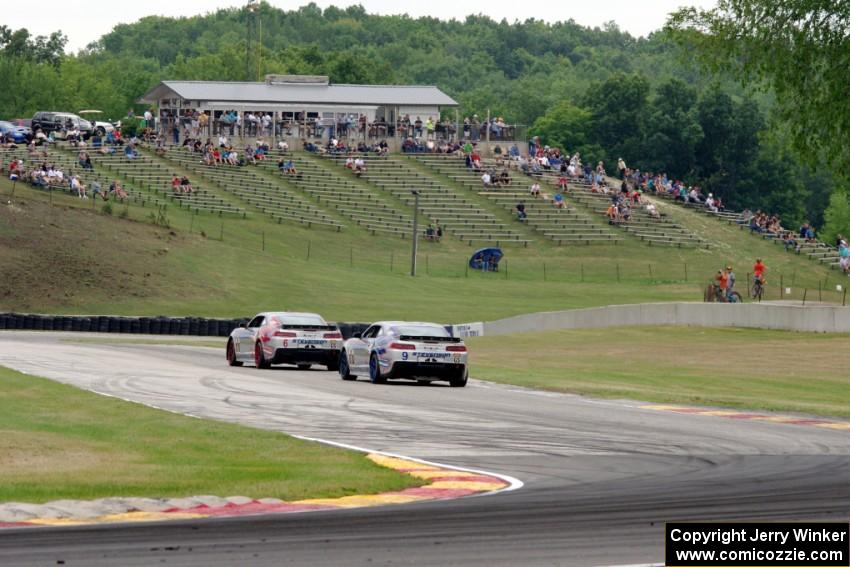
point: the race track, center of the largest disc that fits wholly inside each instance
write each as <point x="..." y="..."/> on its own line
<point x="601" y="477"/>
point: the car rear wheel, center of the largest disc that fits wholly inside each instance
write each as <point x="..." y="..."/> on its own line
<point x="375" y="370"/>
<point x="344" y="370"/>
<point x="460" y="380"/>
<point x="231" y="355"/>
<point x="260" y="357"/>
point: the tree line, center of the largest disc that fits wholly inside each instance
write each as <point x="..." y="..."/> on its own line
<point x="598" y="90"/>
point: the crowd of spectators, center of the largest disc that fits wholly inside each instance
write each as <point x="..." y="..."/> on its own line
<point x="49" y="175"/>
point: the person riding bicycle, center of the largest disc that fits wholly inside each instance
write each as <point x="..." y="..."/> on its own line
<point x="758" y="272"/>
<point x="730" y="284"/>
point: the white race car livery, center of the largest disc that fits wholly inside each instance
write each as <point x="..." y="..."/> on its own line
<point x="284" y="337"/>
<point x="399" y="349"/>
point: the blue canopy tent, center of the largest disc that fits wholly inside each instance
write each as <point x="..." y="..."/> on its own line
<point x="486" y="259"/>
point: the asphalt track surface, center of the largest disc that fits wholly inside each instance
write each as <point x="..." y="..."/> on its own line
<point x="601" y="477"/>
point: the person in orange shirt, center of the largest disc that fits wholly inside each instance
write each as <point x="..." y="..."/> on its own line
<point x="721" y="280"/>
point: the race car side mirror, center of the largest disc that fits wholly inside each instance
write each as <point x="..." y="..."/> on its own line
<point x="357" y="335"/>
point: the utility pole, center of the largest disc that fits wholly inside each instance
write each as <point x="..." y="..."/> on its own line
<point x="251" y="31"/>
<point x="415" y="231"/>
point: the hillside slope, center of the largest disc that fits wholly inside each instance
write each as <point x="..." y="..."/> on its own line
<point x="69" y="257"/>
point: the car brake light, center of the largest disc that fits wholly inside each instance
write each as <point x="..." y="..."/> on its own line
<point x="402" y="346"/>
<point x="285" y="334"/>
<point x="332" y="335"/>
<point x="456" y="348"/>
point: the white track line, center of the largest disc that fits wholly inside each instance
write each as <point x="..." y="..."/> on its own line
<point x="513" y="483"/>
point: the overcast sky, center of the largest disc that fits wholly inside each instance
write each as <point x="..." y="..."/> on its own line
<point x="84" y="21"/>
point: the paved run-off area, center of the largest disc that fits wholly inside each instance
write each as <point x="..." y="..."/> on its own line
<point x="600" y="477"/>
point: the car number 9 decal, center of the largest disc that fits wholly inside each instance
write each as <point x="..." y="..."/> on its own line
<point x="404" y="356"/>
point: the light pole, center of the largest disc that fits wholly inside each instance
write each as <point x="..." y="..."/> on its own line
<point x="415" y="231"/>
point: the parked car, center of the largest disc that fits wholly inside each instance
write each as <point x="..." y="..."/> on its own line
<point x="100" y="127"/>
<point x="60" y="122"/>
<point x="18" y="134"/>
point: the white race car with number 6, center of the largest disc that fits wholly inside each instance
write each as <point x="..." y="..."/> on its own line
<point x="285" y="338"/>
<point x="396" y="349"/>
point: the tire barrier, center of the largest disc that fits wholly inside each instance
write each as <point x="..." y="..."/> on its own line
<point x="190" y="326"/>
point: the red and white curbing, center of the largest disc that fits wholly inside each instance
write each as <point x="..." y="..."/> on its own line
<point x="445" y="482"/>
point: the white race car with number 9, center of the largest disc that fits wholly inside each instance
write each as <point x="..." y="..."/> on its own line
<point x="397" y="349"/>
<point x="285" y="337"/>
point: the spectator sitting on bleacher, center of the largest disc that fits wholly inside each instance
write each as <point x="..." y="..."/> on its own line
<point x="562" y="182"/>
<point x="625" y="211"/>
<point x="613" y="213"/>
<point x="175" y="183"/>
<point x="249" y="156"/>
<point x="283" y="146"/>
<point x="287" y="167"/>
<point x="535" y="189"/>
<point x="558" y="201"/>
<point x="505" y="178"/>
<point x="710" y="204"/>
<point x="486" y="179"/>
<point x="185" y="185"/>
<point x="97" y="191"/>
<point x="807" y="231"/>
<point x="430" y="233"/>
<point x="116" y="189"/>
<point x="790" y="242"/>
<point x="349" y="162"/>
<point x="130" y="152"/>
<point x="359" y="166"/>
<point x="78" y="187"/>
<point x="520" y="211"/>
<point x="652" y="211"/>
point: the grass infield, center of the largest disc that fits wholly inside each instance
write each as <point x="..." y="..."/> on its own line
<point x="739" y="368"/>
<point x="59" y="442"/>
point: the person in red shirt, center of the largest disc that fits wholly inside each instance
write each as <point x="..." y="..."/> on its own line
<point x="758" y="271"/>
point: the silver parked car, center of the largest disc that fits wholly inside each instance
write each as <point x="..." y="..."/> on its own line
<point x="285" y="337"/>
<point x="397" y="349"/>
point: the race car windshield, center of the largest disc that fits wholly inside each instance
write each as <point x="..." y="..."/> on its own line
<point x="421" y="331"/>
<point x="301" y="320"/>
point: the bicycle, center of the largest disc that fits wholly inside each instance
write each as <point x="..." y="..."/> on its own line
<point x="758" y="289"/>
<point x="714" y="294"/>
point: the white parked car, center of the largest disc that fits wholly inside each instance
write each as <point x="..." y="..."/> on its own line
<point x="285" y="337"/>
<point x="397" y="349"/>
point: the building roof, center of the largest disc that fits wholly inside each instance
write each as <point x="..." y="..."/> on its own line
<point x="377" y="95"/>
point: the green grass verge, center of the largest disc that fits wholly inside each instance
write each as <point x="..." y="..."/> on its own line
<point x="740" y="368"/>
<point x="60" y="442"/>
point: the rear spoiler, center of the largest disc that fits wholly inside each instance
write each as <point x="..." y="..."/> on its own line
<point x="422" y="339"/>
<point x="310" y="327"/>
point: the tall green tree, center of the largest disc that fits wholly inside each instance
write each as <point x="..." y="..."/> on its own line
<point x="673" y="131"/>
<point x="798" y="49"/>
<point x="837" y="216"/>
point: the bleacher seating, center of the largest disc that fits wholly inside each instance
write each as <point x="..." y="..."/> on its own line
<point x="562" y="226"/>
<point x="459" y="216"/>
<point x="815" y="250"/>
<point x="146" y="172"/>
<point x="349" y="199"/>
<point x="256" y="189"/>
